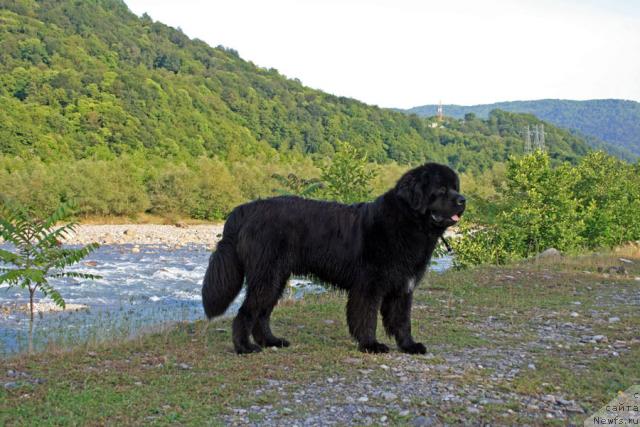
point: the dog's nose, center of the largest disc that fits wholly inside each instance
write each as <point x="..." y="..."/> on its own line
<point x="461" y="200"/>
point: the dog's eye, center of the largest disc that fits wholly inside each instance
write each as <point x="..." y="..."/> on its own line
<point x="442" y="191"/>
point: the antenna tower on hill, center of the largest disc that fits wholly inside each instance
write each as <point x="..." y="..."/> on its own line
<point x="538" y="138"/>
<point x="440" y="112"/>
<point x="527" y="140"/>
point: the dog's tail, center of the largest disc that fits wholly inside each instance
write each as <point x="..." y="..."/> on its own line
<point x="225" y="273"/>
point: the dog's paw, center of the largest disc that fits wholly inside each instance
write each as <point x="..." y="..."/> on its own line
<point x="277" y="342"/>
<point x="248" y="348"/>
<point x="414" y="348"/>
<point x="374" y="347"/>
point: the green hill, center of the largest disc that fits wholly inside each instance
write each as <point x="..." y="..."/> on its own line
<point x="614" y="121"/>
<point x="124" y="114"/>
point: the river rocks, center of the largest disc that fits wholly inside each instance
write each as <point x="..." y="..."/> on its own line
<point x="147" y="234"/>
<point x="41" y="308"/>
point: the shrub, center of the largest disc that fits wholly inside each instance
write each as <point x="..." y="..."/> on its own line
<point x="570" y="208"/>
<point x="348" y="177"/>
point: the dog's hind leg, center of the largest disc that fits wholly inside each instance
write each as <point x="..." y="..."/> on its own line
<point x="261" y="330"/>
<point x="396" y="318"/>
<point x="248" y="314"/>
<point x="242" y="325"/>
<point x="362" y="313"/>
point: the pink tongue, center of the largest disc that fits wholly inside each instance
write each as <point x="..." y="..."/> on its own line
<point x="456" y="218"/>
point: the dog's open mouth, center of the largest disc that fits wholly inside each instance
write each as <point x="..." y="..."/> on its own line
<point x="441" y="219"/>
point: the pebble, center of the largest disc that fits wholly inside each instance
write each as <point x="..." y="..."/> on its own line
<point x="549" y="398"/>
<point x="423" y="421"/>
<point x="363" y="399"/>
<point x="594" y="339"/>
<point x="614" y="319"/>
<point x="11" y="385"/>
<point x="574" y="314"/>
<point x="388" y="396"/>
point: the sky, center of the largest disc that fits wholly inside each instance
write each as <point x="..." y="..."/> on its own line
<point x="405" y="53"/>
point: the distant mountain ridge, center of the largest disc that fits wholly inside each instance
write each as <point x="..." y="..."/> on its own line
<point x="614" y="121"/>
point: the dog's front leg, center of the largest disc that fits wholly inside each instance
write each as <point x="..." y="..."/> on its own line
<point x="362" y="312"/>
<point x="396" y="318"/>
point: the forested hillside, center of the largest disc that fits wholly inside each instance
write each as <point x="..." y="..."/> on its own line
<point x="614" y="121"/>
<point x="123" y="114"/>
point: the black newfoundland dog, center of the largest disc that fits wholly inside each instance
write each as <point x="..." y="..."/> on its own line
<point x="377" y="252"/>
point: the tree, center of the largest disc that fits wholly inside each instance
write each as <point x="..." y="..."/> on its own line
<point x="39" y="255"/>
<point x="348" y="177"/>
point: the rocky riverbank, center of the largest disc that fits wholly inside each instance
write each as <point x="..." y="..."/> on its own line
<point x="147" y="234"/>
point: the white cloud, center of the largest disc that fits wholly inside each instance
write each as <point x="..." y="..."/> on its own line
<point x="409" y="52"/>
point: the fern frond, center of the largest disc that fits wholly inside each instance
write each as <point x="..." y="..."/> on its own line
<point x="49" y="291"/>
<point x="9" y="257"/>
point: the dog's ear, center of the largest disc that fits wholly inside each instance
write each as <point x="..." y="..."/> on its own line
<point x="409" y="189"/>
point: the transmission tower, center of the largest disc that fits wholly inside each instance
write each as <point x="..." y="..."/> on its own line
<point x="440" y="113"/>
<point x="527" y="140"/>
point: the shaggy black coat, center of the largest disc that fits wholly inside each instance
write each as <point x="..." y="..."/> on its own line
<point x="377" y="252"/>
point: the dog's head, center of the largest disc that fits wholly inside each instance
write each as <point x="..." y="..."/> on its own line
<point x="432" y="191"/>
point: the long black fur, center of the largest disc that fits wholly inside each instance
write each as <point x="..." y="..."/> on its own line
<point x="378" y="252"/>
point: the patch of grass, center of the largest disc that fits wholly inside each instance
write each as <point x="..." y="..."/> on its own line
<point x="190" y="375"/>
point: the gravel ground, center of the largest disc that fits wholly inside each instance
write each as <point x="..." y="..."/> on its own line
<point x="400" y="389"/>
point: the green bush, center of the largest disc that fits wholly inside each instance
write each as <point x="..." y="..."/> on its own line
<point x="348" y="177"/>
<point x="570" y="208"/>
<point x="216" y="190"/>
